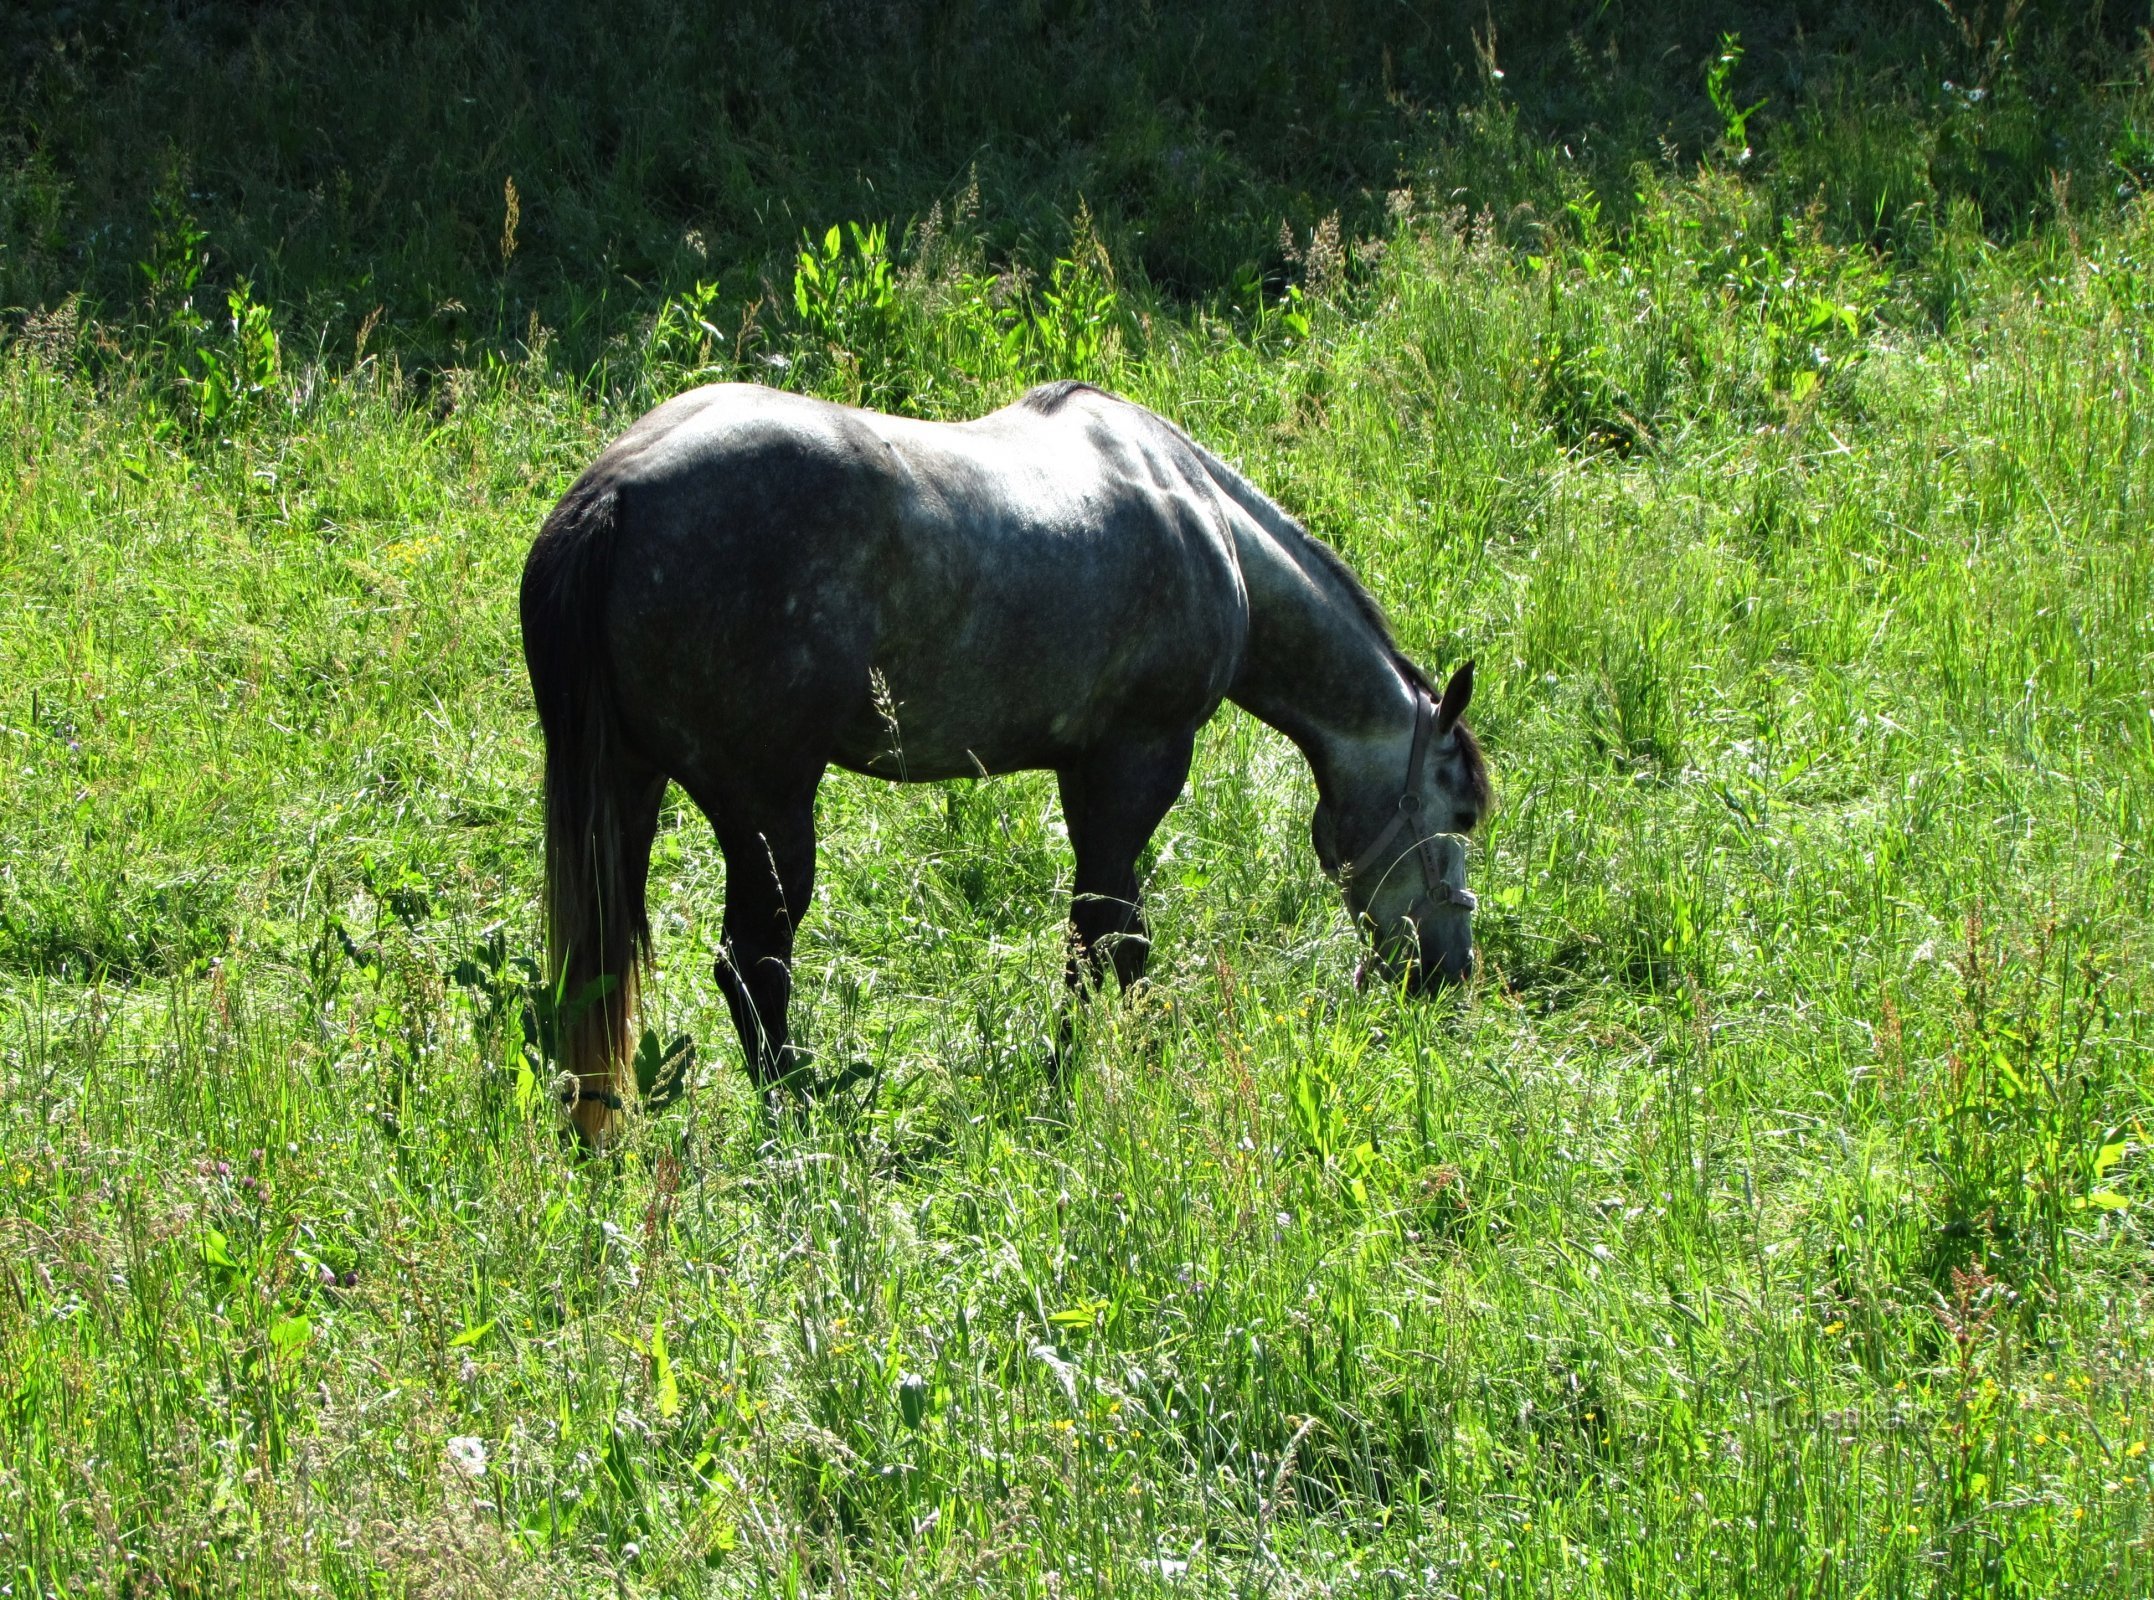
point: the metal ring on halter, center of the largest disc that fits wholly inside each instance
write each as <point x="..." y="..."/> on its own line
<point x="1444" y="894"/>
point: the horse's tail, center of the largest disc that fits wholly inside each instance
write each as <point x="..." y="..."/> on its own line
<point x="601" y="801"/>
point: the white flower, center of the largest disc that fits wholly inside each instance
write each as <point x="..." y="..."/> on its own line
<point x="468" y="1455"/>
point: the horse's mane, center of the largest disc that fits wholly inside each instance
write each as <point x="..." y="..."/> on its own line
<point x="1371" y="610"/>
<point x="1469" y="748"/>
<point x="1048" y="398"/>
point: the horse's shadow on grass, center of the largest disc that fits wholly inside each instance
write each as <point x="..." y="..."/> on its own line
<point x="907" y="1122"/>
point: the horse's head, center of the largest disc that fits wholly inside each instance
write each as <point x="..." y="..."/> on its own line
<point x="1405" y="879"/>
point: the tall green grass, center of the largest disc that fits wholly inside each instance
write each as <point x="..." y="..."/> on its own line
<point x="1769" y="1217"/>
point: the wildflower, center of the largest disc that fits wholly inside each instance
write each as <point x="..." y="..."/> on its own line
<point x="467" y="1455"/>
<point x="2134" y="1450"/>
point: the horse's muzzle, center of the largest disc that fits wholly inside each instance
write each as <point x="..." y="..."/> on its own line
<point x="1430" y="977"/>
<point x="1418" y="964"/>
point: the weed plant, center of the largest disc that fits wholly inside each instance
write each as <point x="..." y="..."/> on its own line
<point x="1769" y="1217"/>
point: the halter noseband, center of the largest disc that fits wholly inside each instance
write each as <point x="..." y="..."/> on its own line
<point x="1409" y="810"/>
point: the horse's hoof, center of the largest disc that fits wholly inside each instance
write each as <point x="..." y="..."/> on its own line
<point x="857" y="1070"/>
<point x="599" y="1124"/>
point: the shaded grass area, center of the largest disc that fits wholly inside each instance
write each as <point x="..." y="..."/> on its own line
<point x="351" y="161"/>
<point x="1768" y="1217"/>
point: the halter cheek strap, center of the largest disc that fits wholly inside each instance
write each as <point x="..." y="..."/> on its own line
<point x="1408" y="815"/>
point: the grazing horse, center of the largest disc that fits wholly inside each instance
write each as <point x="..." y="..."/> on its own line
<point x="750" y="585"/>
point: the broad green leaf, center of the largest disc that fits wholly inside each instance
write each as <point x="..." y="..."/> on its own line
<point x="912" y="1396"/>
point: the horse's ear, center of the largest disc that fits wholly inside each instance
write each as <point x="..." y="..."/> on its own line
<point x="1457" y="695"/>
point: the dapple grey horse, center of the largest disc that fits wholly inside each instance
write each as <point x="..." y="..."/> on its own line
<point x="749" y="585"/>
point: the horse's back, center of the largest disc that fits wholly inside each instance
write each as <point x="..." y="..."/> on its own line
<point x="1022" y="585"/>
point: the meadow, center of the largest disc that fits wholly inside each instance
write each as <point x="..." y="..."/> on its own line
<point x="1768" y="1217"/>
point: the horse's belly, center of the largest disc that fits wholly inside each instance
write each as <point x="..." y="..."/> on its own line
<point x="1037" y="678"/>
<point x="926" y="737"/>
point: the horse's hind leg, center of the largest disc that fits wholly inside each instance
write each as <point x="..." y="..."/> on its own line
<point x="769" y="853"/>
<point x="1112" y="802"/>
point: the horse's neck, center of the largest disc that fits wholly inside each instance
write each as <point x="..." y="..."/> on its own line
<point x="1317" y="668"/>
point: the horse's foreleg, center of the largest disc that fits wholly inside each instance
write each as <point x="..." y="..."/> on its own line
<point x="770" y="875"/>
<point x="1112" y="803"/>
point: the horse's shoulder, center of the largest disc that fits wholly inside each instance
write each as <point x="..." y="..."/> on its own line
<point x="1113" y="423"/>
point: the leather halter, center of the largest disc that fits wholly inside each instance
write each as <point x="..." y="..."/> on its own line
<point x="1407" y="815"/>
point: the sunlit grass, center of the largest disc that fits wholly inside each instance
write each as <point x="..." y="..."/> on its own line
<point x="1767" y="1218"/>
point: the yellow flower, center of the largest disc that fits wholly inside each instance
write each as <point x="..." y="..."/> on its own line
<point x="2134" y="1450"/>
<point x="1832" y="1328"/>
